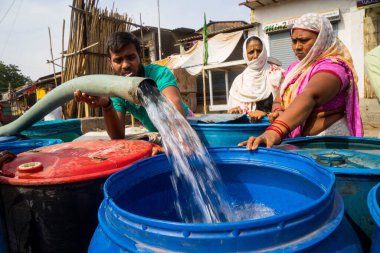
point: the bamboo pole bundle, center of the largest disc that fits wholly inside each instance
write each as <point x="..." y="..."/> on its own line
<point x="90" y="27"/>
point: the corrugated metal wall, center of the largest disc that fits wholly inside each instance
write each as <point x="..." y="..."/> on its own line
<point x="281" y="48"/>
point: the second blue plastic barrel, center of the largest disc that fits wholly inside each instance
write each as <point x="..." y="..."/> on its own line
<point x="373" y="205"/>
<point x="356" y="164"/>
<point x="230" y="134"/>
<point x="20" y="146"/>
<point x="137" y="214"/>
<point x="66" y="130"/>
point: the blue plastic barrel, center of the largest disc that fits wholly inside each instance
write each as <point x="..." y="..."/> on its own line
<point x="373" y="205"/>
<point x="66" y="130"/>
<point x="356" y="164"/>
<point x="20" y="146"/>
<point x="138" y="214"/>
<point x="8" y="138"/>
<point x="226" y="133"/>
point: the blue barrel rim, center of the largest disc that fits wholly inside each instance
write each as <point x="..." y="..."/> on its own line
<point x="330" y="198"/>
<point x="336" y="170"/>
<point x="263" y="123"/>
<point x="373" y="205"/>
<point x="21" y="146"/>
<point x="54" y="122"/>
<point x="154" y="222"/>
<point x="303" y="243"/>
<point x="355" y="139"/>
<point x="31" y="142"/>
<point x="233" y="126"/>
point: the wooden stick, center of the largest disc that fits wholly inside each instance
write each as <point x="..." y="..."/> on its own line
<point x="52" y="57"/>
<point x="63" y="45"/>
<point x="49" y="61"/>
<point x="74" y="53"/>
<point x="204" y="90"/>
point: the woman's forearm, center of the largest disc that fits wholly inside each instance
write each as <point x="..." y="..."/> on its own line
<point x="276" y="106"/>
<point x="298" y="112"/>
<point x="115" y="128"/>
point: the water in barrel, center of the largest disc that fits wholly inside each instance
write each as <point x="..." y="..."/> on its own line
<point x="200" y="193"/>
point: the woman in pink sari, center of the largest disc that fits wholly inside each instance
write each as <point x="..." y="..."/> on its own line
<point x="319" y="94"/>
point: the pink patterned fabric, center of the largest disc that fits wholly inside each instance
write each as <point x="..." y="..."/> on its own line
<point x="346" y="97"/>
<point x="328" y="54"/>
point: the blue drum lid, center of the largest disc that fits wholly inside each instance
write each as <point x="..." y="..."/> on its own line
<point x="343" y="158"/>
<point x="219" y="119"/>
<point x="222" y="119"/>
<point x="338" y="152"/>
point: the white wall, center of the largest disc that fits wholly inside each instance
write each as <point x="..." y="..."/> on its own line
<point x="296" y="8"/>
<point x="352" y="34"/>
<point x="350" y="27"/>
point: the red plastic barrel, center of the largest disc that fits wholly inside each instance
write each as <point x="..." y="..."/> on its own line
<point x="50" y="196"/>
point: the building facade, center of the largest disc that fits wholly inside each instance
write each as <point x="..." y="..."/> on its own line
<point x="347" y="18"/>
<point x="220" y="71"/>
<point x="149" y="38"/>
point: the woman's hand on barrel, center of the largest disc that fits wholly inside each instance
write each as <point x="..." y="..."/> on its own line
<point x="268" y="138"/>
<point x="235" y="110"/>
<point x="256" y="116"/>
<point x="92" y="101"/>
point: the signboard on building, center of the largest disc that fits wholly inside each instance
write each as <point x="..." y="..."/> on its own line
<point x="366" y="3"/>
<point x="279" y="26"/>
<point x="333" y="15"/>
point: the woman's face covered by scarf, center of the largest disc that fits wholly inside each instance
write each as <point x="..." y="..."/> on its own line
<point x="254" y="53"/>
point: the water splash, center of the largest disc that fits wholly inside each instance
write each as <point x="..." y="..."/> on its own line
<point x="201" y="195"/>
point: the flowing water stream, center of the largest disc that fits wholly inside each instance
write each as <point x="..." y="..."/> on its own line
<point x="201" y="194"/>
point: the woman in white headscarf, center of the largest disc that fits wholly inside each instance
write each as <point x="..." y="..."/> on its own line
<point x="254" y="90"/>
<point x="319" y="94"/>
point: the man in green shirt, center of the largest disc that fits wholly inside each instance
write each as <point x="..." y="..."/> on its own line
<point x="125" y="55"/>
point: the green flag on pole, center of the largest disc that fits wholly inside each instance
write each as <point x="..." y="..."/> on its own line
<point x="205" y="43"/>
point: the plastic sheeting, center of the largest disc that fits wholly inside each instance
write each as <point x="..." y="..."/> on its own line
<point x="220" y="48"/>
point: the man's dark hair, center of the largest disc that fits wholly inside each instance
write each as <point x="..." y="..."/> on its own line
<point x="118" y="40"/>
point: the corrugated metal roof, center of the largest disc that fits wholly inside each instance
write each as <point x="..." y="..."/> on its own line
<point x="183" y="30"/>
<point x="28" y="88"/>
<point x="227" y="30"/>
<point x="252" y="4"/>
<point x="48" y="79"/>
<point x="151" y="29"/>
<point x="211" y="22"/>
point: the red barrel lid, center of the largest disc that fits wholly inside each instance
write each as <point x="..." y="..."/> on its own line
<point x="73" y="161"/>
